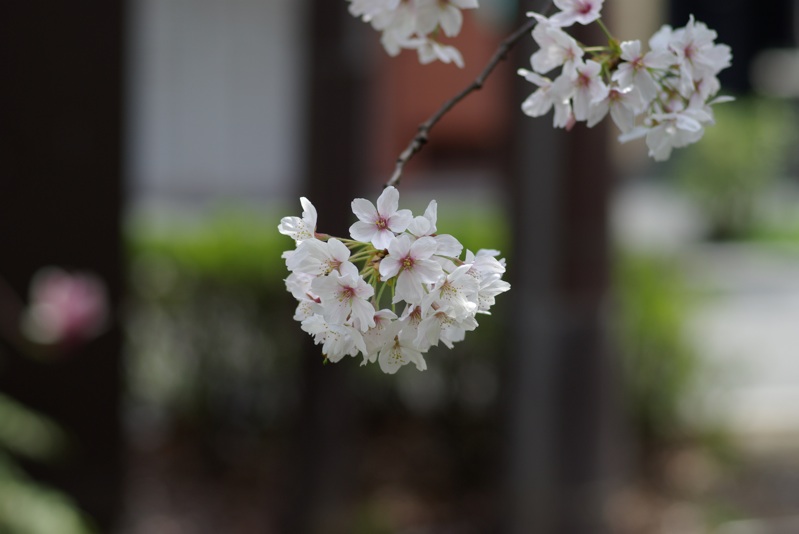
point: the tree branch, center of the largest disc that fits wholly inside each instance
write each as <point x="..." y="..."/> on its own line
<point x="423" y="131"/>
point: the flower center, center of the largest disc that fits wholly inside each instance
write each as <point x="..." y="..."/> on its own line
<point x="584" y="8"/>
<point x="328" y="266"/>
<point x="407" y="262"/>
<point x="381" y="223"/>
<point x="347" y="293"/>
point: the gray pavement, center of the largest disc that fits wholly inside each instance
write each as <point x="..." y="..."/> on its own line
<point x="744" y="325"/>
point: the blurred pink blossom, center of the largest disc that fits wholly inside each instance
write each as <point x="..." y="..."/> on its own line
<point x="65" y="308"/>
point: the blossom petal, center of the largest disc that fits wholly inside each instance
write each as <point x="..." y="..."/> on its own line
<point x="388" y="202"/>
<point x="364" y="210"/>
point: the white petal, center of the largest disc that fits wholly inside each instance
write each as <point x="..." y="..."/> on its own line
<point x="364" y="210"/>
<point x="388" y="202"/>
<point x="399" y="221"/>
<point x="363" y="231"/>
<point x="382" y="238"/>
<point x="423" y="248"/>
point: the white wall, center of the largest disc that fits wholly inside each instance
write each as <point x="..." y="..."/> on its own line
<point x="215" y="98"/>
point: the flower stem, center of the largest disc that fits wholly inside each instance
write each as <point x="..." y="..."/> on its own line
<point x="606" y="30"/>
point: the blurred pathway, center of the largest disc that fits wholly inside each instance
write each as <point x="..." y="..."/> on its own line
<point x="745" y="324"/>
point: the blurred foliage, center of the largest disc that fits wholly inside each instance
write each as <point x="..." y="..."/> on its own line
<point x="659" y="367"/>
<point x="27" y="507"/>
<point x="212" y="342"/>
<point x="738" y="160"/>
<point x="28" y="434"/>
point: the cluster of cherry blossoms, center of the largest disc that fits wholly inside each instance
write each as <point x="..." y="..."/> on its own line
<point x="391" y="292"/>
<point x="664" y="94"/>
<point x="416" y="25"/>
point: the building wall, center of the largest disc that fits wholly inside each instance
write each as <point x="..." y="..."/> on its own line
<point x="215" y="98"/>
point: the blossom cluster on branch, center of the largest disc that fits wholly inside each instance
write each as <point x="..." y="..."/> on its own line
<point x="416" y="25"/>
<point x="393" y="290"/>
<point x="664" y="94"/>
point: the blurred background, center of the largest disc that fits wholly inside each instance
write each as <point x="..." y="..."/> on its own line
<point x="642" y="376"/>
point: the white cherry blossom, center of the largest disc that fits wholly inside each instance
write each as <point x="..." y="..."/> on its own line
<point x="413" y="24"/>
<point x="581" y="11"/>
<point x="697" y="54"/>
<point x="447" y="246"/>
<point x="430" y="14"/>
<point x="378" y="225"/>
<point x="381" y="334"/>
<point x="623" y="105"/>
<point x="316" y="257"/>
<point x="399" y="353"/>
<point x="545" y="98"/>
<point x="367" y="9"/>
<point x="455" y="331"/>
<point x="430" y="50"/>
<point x="556" y="47"/>
<point x="337" y="340"/>
<point x="585" y="87"/>
<point x="300" y="229"/>
<point x="457" y="292"/>
<point x="636" y="69"/>
<point x="666" y="131"/>
<point x="410" y="261"/>
<point x="487" y="270"/>
<point x="345" y="297"/>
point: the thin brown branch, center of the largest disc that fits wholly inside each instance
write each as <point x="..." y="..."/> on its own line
<point x="423" y="131"/>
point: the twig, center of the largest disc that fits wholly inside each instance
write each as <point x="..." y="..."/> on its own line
<point x="423" y="131"/>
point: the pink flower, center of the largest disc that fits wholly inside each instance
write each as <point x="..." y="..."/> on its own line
<point x="65" y="308"/>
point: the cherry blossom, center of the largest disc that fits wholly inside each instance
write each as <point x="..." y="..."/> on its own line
<point x="378" y="225"/>
<point x="410" y="261"/>
<point x="664" y="94"/>
<point x="297" y="228"/>
<point x="414" y="24"/>
<point x="378" y="336"/>
<point x="399" y="353"/>
<point x="623" y="105"/>
<point x="584" y="86"/>
<point x="390" y="304"/>
<point x="457" y="291"/>
<point x="666" y="131"/>
<point x="556" y="47"/>
<point x="430" y="50"/>
<point x="545" y="98"/>
<point x="425" y="226"/>
<point x="635" y="71"/>
<point x="697" y="54"/>
<point x="316" y="257"/>
<point x="337" y="340"/>
<point x="345" y="296"/>
<point x="581" y="11"/>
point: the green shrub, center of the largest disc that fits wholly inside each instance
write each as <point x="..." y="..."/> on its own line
<point x="659" y="366"/>
<point x="738" y="160"/>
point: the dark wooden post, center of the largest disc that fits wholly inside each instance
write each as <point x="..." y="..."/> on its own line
<point x="60" y="204"/>
<point x="325" y="454"/>
<point x="561" y="414"/>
